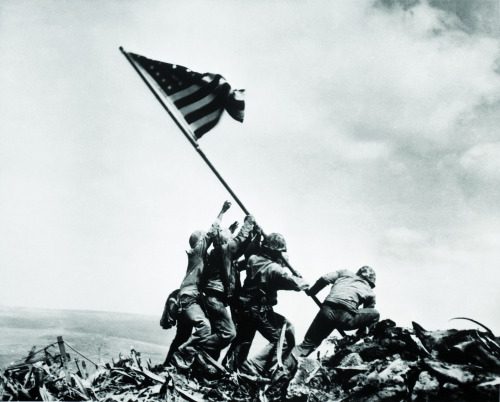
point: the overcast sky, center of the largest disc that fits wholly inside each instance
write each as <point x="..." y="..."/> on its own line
<point x="371" y="138"/>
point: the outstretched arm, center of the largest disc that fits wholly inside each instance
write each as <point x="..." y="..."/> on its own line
<point x="327" y="279"/>
<point x="234" y="226"/>
<point x="317" y="287"/>
<point x="225" y="207"/>
<point x="283" y="281"/>
<point x="254" y="242"/>
<point x="238" y="243"/>
<point x="322" y="282"/>
<point x="216" y="225"/>
<point x="214" y="229"/>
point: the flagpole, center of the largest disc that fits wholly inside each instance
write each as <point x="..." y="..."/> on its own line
<point x="188" y="135"/>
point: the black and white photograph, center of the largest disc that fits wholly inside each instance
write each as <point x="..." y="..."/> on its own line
<point x="251" y="201"/>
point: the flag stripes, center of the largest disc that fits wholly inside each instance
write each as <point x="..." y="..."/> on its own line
<point x="199" y="98"/>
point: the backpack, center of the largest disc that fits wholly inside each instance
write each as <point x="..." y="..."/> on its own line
<point x="171" y="310"/>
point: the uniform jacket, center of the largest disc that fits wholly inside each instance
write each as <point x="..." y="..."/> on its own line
<point x="196" y="262"/>
<point x="264" y="279"/>
<point x="220" y="276"/>
<point x="348" y="290"/>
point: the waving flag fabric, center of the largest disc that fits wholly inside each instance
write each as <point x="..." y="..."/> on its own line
<point x="199" y="98"/>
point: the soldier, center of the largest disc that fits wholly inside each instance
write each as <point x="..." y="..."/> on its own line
<point x="220" y="283"/>
<point x="192" y="314"/>
<point x="341" y="307"/>
<point x="245" y="331"/>
<point x="265" y="276"/>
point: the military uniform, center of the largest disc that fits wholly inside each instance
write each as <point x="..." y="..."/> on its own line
<point x="341" y="307"/>
<point x="192" y="315"/>
<point x="259" y="294"/>
<point x="220" y="285"/>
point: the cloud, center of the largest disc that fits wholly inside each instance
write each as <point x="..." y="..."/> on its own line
<point x="405" y="83"/>
<point x="402" y="236"/>
<point x="403" y="243"/>
<point x="483" y="161"/>
<point x="363" y="151"/>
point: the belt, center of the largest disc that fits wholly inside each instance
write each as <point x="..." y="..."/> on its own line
<point x="338" y="306"/>
<point x="215" y="293"/>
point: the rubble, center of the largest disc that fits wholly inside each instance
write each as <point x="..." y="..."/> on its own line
<point x="389" y="363"/>
<point x="402" y="364"/>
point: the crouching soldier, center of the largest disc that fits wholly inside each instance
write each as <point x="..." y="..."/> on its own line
<point x="192" y="315"/>
<point x="340" y="310"/>
<point x="265" y="276"/>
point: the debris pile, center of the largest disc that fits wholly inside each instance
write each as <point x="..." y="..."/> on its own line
<point x="401" y="364"/>
<point x="43" y="376"/>
<point x="49" y="378"/>
<point x="389" y="363"/>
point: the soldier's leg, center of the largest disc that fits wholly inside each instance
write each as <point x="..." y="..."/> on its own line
<point x="240" y="347"/>
<point x="362" y="318"/>
<point x="321" y="327"/>
<point x="223" y="330"/>
<point x="289" y="341"/>
<point x="184" y="356"/>
<point x="269" y="324"/>
<point x="182" y="334"/>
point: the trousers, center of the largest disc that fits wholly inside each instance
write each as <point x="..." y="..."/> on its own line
<point x="211" y="334"/>
<point x="329" y="318"/>
<point x="193" y="318"/>
<point x="269" y="324"/>
<point x="182" y="334"/>
<point x="223" y="330"/>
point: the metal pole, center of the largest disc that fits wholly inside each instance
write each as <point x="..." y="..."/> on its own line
<point x="64" y="358"/>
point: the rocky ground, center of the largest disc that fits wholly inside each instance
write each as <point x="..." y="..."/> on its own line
<point x="390" y="363"/>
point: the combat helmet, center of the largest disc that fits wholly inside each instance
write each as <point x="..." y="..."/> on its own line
<point x="368" y="274"/>
<point x="274" y="242"/>
<point x="195" y="237"/>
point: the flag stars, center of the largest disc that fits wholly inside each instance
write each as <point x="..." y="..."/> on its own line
<point x="183" y="85"/>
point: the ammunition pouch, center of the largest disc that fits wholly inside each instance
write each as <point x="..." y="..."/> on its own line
<point x="258" y="299"/>
<point x="171" y="311"/>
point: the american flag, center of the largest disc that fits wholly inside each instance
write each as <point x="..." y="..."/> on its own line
<point x="199" y="98"/>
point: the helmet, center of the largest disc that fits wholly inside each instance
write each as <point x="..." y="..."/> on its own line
<point x="368" y="274"/>
<point x="275" y="241"/>
<point x="223" y="236"/>
<point x="195" y="237"/>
